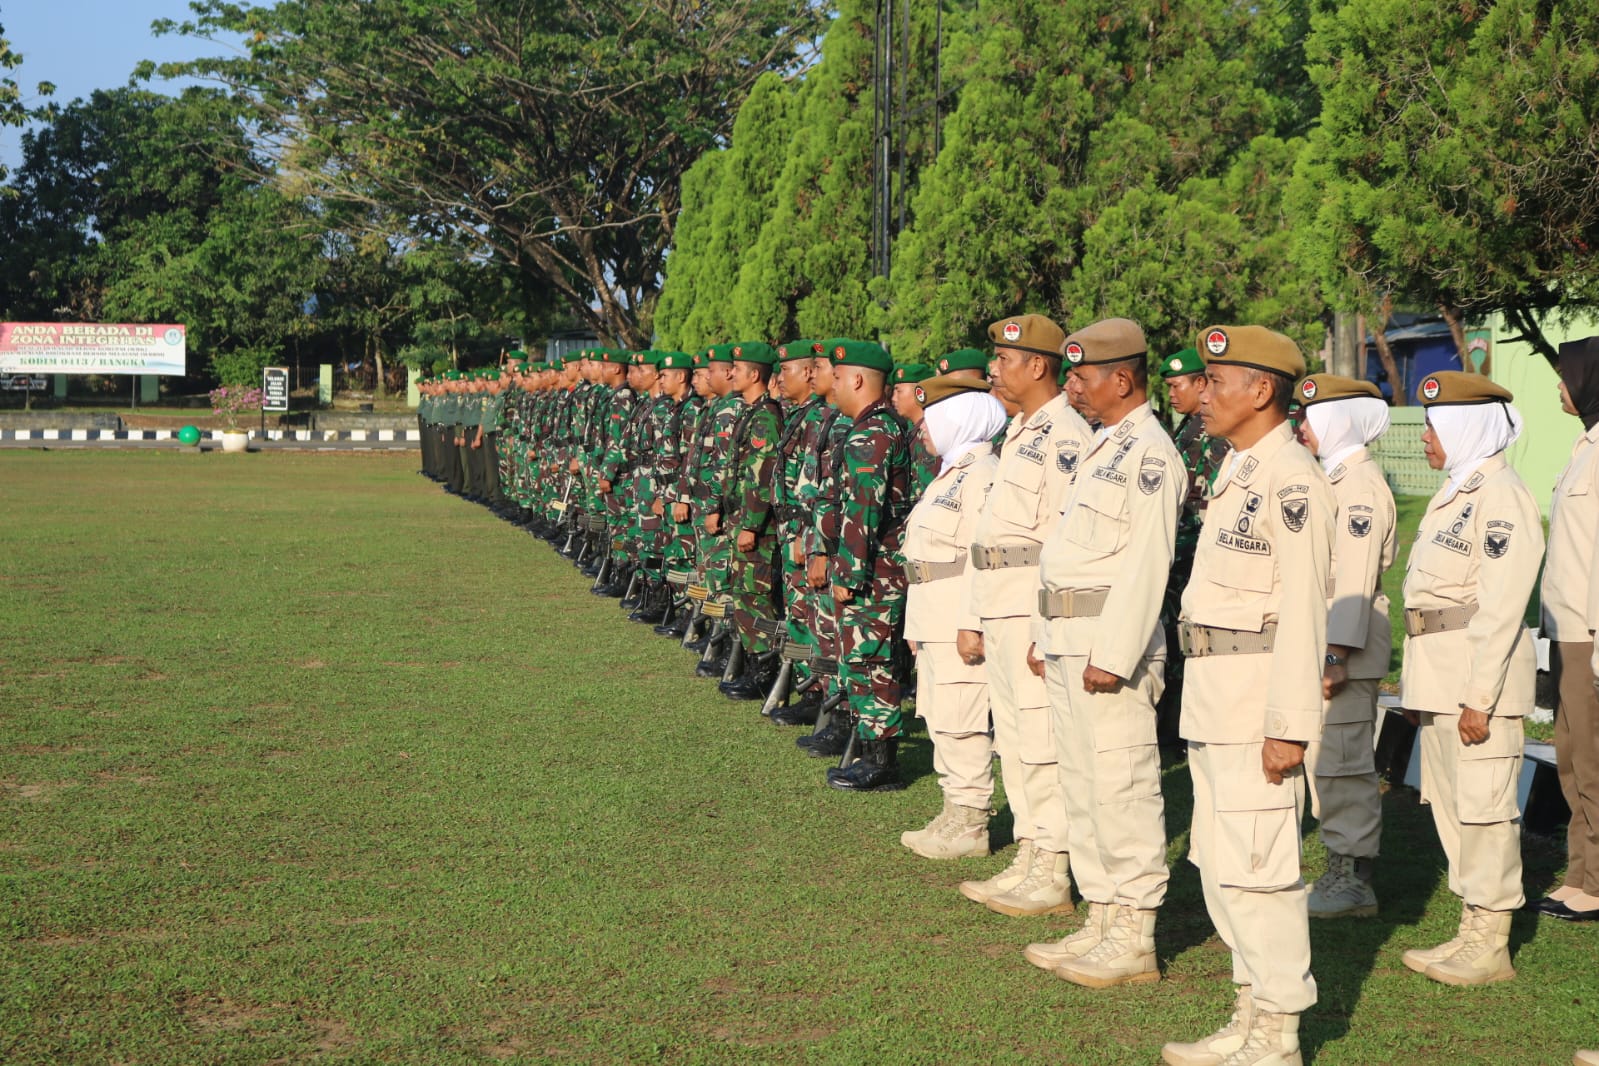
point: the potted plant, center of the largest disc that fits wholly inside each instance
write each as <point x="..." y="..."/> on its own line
<point x="229" y="402"/>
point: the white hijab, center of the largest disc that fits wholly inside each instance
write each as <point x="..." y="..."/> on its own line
<point x="1471" y="434"/>
<point x="1343" y="427"/>
<point x="959" y="423"/>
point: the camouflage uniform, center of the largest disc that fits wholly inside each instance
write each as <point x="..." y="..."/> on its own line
<point x="747" y="507"/>
<point x="794" y="493"/>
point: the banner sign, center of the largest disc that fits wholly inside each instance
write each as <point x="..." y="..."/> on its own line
<point x="274" y="388"/>
<point x="89" y="348"/>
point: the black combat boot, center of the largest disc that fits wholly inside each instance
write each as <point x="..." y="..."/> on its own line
<point x="830" y="741"/>
<point x="656" y="604"/>
<point x="756" y="682"/>
<point x="877" y="770"/>
<point x="802" y="712"/>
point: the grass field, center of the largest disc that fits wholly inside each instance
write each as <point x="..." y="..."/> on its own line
<point x="302" y="759"/>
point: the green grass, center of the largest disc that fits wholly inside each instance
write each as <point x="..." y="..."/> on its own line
<point x="303" y="759"/>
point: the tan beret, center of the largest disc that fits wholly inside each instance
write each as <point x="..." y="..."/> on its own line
<point x="1028" y="333"/>
<point x="1319" y="388"/>
<point x="1456" y="387"/>
<point x="933" y="390"/>
<point x="1108" y="341"/>
<point x="1253" y="346"/>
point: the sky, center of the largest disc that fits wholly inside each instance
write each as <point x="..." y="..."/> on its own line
<point x="84" y="45"/>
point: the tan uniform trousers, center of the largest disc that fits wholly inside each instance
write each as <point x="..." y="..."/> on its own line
<point x="955" y="708"/>
<point x="1344" y="794"/>
<point x="1245" y="841"/>
<point x="1577" y="759"/>
<point x="1022" y="734"/>
<point x="1110" y="782"/>
<point x="1472" y="791"/>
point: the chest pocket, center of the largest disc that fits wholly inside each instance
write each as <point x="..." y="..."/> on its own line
<point x="1094" y="522"/>
<point x="1442" y="563"/>
<point x="1244" y="572"/>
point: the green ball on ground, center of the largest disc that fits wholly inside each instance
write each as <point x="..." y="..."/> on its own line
<point x="189" y="435"/>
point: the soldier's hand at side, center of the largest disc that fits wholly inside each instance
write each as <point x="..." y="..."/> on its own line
<point x="680" y="512"/>
<point x="1097" y="680"/>
<point x="713" y="523"/>
<point x="746" y="540"/>
<point x="969" y="643"/>
<point x="1277" y="757"/>
<point x="1473" y="726"/>
<point x="913" y="646"/>
<point x="605" y="484"/>
<point x="842" y="595"/>
<point x="657" y="508"/>
<point x="573" y="467"/>
<point x="1034" y="663"/>
<point x="816" y="572"/>
<point x="1333" y="680"/>
<point x="796" y="551"/>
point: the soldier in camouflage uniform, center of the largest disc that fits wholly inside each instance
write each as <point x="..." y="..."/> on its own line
<point x="751" y="522"/>
<point x="866" y="571"/>
<point x="613" y="463"/>
<point x="661" y="440"/>
<point x="704" y="496"/>
<point x="1202" y="455"/>
<point x="680" y="464"/>
<point x="903" y="399"/>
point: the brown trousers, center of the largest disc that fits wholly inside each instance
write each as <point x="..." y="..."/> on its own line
<point x="1577" y="759"/>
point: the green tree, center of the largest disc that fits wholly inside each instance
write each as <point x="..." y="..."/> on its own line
<point x="14" y="110"/>
<point x="678" y="311"/>
<point x="1454" y="165"/>
<point x="555" y="132"/>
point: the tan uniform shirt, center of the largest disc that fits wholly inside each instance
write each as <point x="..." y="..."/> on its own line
<point x="1264" y="554"/>
<point x="1117" y="532"/>
<point x="1570" y="579"/>
<point x="1480" y="544"/>
<point x="1036" y="466"/>
<point x="1362" y="551"/>
<point x="939" y="530"/>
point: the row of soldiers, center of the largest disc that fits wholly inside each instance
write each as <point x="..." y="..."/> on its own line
<point x="811" y="517"/>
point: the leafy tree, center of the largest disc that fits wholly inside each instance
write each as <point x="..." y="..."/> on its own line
<point x="14" y="110"/>
<point x="555" y="132"/>
<point x="1455" y="164"/>
<point x="677" y="315"/>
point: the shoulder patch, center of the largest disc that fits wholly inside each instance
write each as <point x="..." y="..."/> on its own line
<point x="1359" y="525"/>
<point x="1151" y="474"/>
<point x="1295" y="512"/>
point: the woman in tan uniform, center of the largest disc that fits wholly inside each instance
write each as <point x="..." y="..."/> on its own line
<point x="1469" y="665"/>
<point x="959" y="419"/>
<point x="1341" y="417"/>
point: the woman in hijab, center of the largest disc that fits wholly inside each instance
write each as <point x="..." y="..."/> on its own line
<point x="959" y="420"/>
<point x="1341" y="417"/>
<point x="1570" y="602"/>
<point x="1469" y="665"/>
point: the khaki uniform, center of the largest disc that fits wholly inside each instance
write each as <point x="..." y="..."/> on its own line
<point x="1261" y="567"/>
<point x="1345" y="794"/>
<point x="1036" y="465"/>
<point x="951" y="696"/>
<point x="1114" y="542"/>
<point x="1570" y="599"/>
<point x="1478" y="549"/>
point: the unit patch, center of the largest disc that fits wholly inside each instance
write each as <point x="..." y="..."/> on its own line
<point x="1151" y="473"/>
<point x="1295" y="512"/>
<point x="1359" y="525"/>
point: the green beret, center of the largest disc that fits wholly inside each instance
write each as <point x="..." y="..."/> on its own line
<point x="719" y="353"/>
<point x="674" y="361"/>
<point x="963" y="359"/>
<point x="616" y="357"/>
<point x="1177" y="364"/>
<point x="911" y="373"/>
<point x="867" y="354"/>
<point x="758" y="352"/>
<point x="800" y="349"/>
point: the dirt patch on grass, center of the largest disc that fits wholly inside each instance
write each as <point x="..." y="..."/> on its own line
<point x="218" y="1014"/>
<point x="44" y="749"/>
<point x="803" y="1034"/>
<point x="35" y="792"/>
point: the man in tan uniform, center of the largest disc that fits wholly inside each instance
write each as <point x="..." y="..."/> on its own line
<point x="1341" y="416"/>
<point x="1470" y="667"/>
<point x="1036" y="465"/>
<point x="1104" y="572"/>
<point x="1254" y="631"/>
<point x="959" y="418"/>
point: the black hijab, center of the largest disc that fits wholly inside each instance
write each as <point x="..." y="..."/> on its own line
<point x="1579" y="369"/>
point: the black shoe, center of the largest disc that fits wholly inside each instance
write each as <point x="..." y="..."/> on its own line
<point x="752" y="686"/>
<point x="1557" y="909"/>
<point x="877" y="770"/>
<point x="698" y="646"/>
<point x="714" y="668"/>
<point x="650" y="614"/>
<point x="676" y="628"/>
<point x="804" y="712"/>
<point x="830" y="742"/>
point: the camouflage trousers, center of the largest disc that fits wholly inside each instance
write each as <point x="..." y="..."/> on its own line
<point x="752" y="585"/>
<point x="714" y="552"/>
<point x="799" y="610"/>
<point x="868" y="629"/>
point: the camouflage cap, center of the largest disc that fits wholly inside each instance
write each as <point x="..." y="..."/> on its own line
<point x="1028" y="333"/>
<point x="758" y="352"/>
<point x="867" y="354"/>
<point x="1110" y="340"/>
<point x="1177" y="364"/>
<point x="1449" y="388"/>
<point x="939" y="388"/>
<point x="1256" y="347"/>
<point x="911" y="373"/>
<point x="962" y="359"/>
<point x="1320" y="388"/>
<point x="800" y="349"/>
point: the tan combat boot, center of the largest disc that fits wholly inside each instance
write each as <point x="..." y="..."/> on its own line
<point x="1049" y="955"/>
<point x="962" y="832"/>
<point x="1218" y="1045"/>
<point x="1047" y="888"/>
<point x="910" y="837"/>
<point x="1419" y="959"/>
<point x="1483" y="958"/>
<point x="1005" y="880"/>
<point x="1273" y="1040"/>
<point x="1585" y="1058"/>
<point x="1124" y="956"/>
<point x="1344" y="891"/>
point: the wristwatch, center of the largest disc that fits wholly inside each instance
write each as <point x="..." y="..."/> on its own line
<point x="1334" y="660"/>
